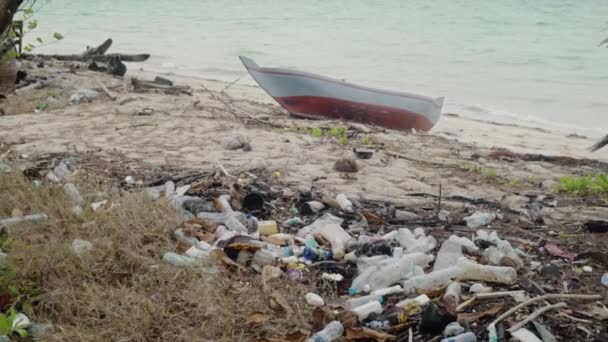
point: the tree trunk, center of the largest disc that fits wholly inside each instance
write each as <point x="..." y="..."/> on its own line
<point x="8" y="70"/>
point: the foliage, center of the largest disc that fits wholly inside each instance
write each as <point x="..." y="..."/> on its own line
<point x="6" y="324"/>
<point x="487" y="172"/>
<point x="584" y="185"/>
<point x="340" y="133"/>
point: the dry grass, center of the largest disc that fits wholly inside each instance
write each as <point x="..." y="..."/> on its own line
<point x="122" y="291"/>
<point x="27" y="102"/>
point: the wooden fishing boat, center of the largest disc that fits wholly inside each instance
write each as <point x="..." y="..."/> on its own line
<point x="309" y="95"/>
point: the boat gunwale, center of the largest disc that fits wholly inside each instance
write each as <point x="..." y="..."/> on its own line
<point x="287" y="72"/>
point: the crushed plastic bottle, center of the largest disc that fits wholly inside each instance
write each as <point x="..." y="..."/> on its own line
<point x="417" y="242"/>
<point x="320" y="224"/>
<point x="387" y="272"/>
<point x="448" y="255"/>
<point x="344" y="203"/>
<point x="72" y="192"/>
<point x="463" y="270"/>
<point x="365" y="310"/>
<point x="359" y="301"/>
<point x="503" y="250"/>
<point x="479" y="219"/>
<point x="333" y="331"/>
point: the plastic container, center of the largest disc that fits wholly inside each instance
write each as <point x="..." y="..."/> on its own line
<point x="73" y="193"/>
<point x="359" y="301"/>
<point x="448" y="255"/>
<point x="314" y="299"/>
<point x="422" y="301"/>
<point x="265" y="257"/>
<point x="389" y="271"/>
<point x="479" y="219"/>
<point x="331" y="332"/>
<point x="412" y="243"/>
<point x="345" y="203"/>
<point x="267" y="228"/>
<point x="388" y="290"/>
<point x="365" y="310"/>
<point x="180" y="260"/>
<point x="466" y="337"/>
<point x="463" y="270"/>
<point x="232" y="223"/>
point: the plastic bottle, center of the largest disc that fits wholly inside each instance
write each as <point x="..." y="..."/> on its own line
<point x="190" y="240"/>
<point x="479" y="219"/>
<point x="503" y="249"/>
<point x="331" y="332"/>
<point x="320" y="224"/>
<point x="338" y="250"/>
<point x="359" y="301"/>
<point x="605" y="279"/>
<point x="73" y="193"/>
<point x="265" y="257"/>
<point x="422" y="301"/>
<point x="398" y="252"/>
<point x="412" y="243"/>
<point x="463" y="241"/>
<point x="197" y="253"/>
<point x="448" y="255"/>
<point x="365" y="310"/>
<point x="235" y="225"/>
<point x="466" y="337"/>
<point x="463" y="270"/>
<point x="452" y="293"/>
<point x="344" y="203"/>
<point x="180" y="260"/>
<point x="453" y="329"/>
<point x="223" y="203"/>
<point x="388" y="290"/>
<point x="268" y="228"/>
<point x="389" y="271"/>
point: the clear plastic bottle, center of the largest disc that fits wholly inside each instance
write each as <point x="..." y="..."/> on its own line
<point x="466" y="337"/>
<point x="388" y="290"/>
<point x="359" y="301"/>
<point x="365" y="310"/>
<point x="235" y="225"/>
<point x="479" y="219"/>
<point x="180" y="260"/>
<point x="333" y="331"/>
<point x="390" y="271"/>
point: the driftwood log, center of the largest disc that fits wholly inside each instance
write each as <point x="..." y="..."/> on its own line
<point x="97" y="58"/>
<point x="600" y="144"/>
<point x="141" y="86"/>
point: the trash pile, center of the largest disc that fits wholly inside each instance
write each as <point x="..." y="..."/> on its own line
<point x="370" y="279"/>
<point x="394" y="283"/>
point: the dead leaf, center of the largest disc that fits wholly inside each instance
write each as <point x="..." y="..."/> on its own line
<point x="367" y="333"/>
<point x="257" y="318"/>
<point x="205" y="236"/>
<point x="16" y="213"/>
<point x="476" y="316"/>
<point x="220" y="259"/>
<point x="373" y="219"/>
<point x="348" y="319"/>
<point x="297" y="335"/>
<point x="200" y="224"/>
<point x="278" y="301"/>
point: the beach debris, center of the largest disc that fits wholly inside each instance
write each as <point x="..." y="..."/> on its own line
<point x="72" y="191"/>
<point x="40" y="330"/>
<point x="163" y="81"/>
<point x="347" y="165"/>
<point x="453" y="329"/>
<point x="466" y="337"/>
<point x="33" y="218"/>
<point x="333" y="331"/>
<point x="237" y="142"/>
<point x="81" y="246"/>
<point x="604" y="279"/>
<point x="314" y="299"/>
<point x="543" y="332"/>
<point x="364" y="333"/>
<point x="83" y="95"/>
<point x="596" y="226"/>
<point x="479" y="219"/>
<point x="21" y="321"/>
<point x="558" y="252"/>
<point x="363" y="154"/>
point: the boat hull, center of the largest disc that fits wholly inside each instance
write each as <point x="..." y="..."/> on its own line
<point x="316" y="96"/>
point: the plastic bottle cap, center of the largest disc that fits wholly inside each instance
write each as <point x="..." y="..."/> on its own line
<point x="381" y="300"/>
<point x="352" y="291"/>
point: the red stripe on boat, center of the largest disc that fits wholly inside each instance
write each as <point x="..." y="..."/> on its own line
<point x="324" y="107"/>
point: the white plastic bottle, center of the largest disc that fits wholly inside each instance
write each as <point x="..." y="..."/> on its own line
<point x="359" y="301"/>
<point x="331" y="332"/>
<point x="365" y="310"/>
<point x="390" y="271"/>
<point x="388" y="290"/>
<point x="344" y="203"/>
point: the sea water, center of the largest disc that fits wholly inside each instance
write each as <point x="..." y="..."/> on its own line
<point x="525" y="61"/>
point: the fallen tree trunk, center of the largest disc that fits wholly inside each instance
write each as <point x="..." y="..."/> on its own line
<point x="141" y="86"/>
<point x="96" y="58"/>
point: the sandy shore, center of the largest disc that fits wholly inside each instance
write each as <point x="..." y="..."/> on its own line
<point x="190" y="132"/>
